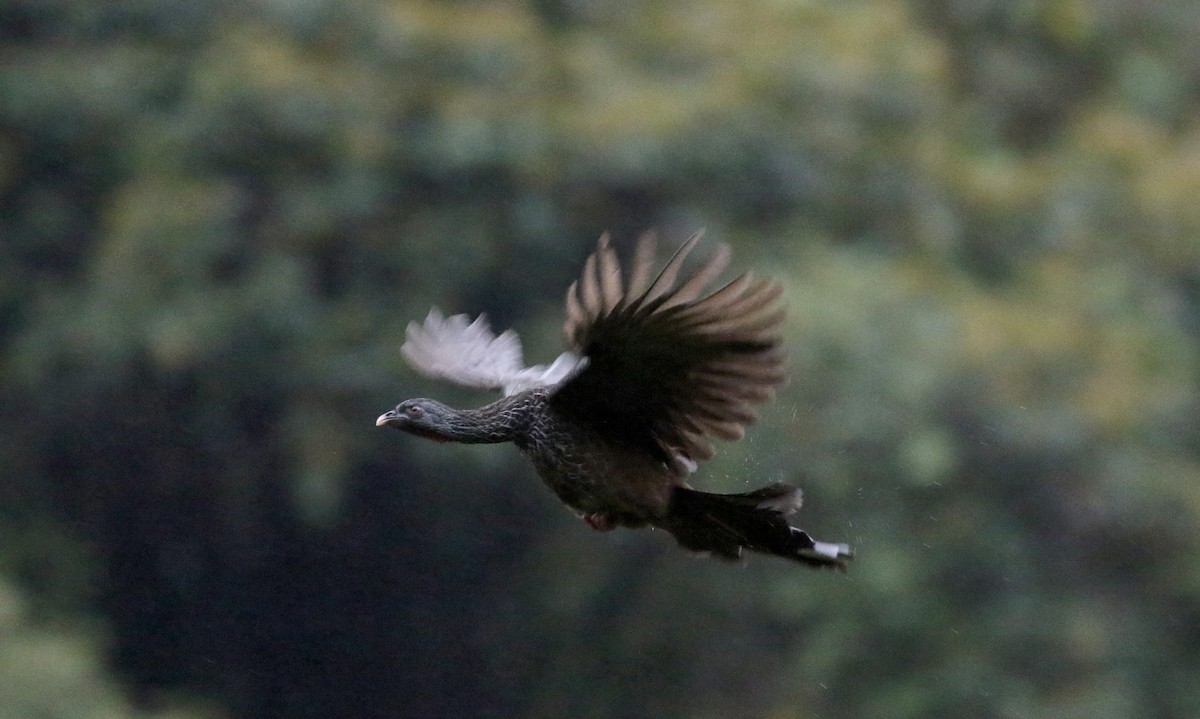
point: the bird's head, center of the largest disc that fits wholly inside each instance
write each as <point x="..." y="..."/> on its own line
<point x="423" y="417"/>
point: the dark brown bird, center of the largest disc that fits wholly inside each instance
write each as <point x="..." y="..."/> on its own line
<point x="614" y="426"/>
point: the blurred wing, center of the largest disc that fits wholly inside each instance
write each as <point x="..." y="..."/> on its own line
<point x="467" y="353"/>
<point x="668" y="366"/>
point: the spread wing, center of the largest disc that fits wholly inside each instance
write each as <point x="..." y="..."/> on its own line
<point x="668" y="366"/>
<point x="467" y="353"/>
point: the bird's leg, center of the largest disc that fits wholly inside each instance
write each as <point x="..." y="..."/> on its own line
<point x="599" y="521"/>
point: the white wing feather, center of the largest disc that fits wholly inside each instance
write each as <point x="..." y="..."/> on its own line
<point x="467" y="353"/>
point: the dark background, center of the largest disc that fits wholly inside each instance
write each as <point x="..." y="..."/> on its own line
<point x="217" y="217"/>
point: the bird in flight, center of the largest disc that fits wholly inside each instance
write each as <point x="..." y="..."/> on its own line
<point x="656" y="368"/>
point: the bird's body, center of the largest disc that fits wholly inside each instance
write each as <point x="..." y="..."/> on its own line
<point x="576" y="461"/>
<point x="615" y="426"/>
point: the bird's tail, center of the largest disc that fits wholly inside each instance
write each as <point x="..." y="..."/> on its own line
<point x="724" y="524"/>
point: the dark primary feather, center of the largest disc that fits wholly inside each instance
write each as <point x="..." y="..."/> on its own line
<point x="666" y="368"/>
<point x="659" y="366"/>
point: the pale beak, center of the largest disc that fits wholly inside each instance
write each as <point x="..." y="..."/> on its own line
<point x="385" y="418"/>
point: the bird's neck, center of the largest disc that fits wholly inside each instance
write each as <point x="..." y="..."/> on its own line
<point x="501" y="421"/>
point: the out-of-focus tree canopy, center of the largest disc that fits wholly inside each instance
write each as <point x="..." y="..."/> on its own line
<point x="217" y="217"/>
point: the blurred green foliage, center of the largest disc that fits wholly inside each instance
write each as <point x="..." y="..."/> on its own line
<point x="57" y="671"/>
<point x="218" y="217"/>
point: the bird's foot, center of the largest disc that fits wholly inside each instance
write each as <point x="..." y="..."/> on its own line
<point x="600" y="522"/>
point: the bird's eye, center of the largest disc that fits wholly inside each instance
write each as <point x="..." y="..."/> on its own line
<point x="415" y="411"/>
